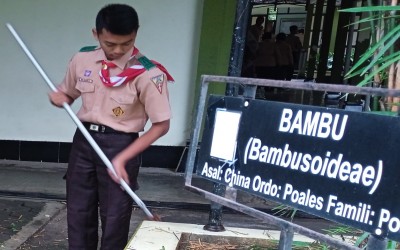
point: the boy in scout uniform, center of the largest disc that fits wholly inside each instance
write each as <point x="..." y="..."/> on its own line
<point x="120" y="90"/>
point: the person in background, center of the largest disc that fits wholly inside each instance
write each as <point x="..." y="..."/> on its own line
<point x="284" y="58"/>
<point x="295" y="44"/>
<point x="300" y="35"/>
<point x="266" y="59"/>
<point x="249" y="56"/>
<point x="120" y="90"/>
<point x="250" y="48"/>
<point x="257" y="29"/>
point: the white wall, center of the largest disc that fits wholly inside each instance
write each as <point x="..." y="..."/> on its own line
<point x="55" y="29"/>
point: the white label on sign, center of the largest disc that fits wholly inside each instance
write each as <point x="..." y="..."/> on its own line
<point x="226" y="128"/>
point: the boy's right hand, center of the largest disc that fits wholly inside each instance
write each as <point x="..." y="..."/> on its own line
<point x="59" y="98"/>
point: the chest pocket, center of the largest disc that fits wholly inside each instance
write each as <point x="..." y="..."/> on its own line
<point x="123" y="99"/>
<point x="122" y="104"/>
<point x="87" y="93"/>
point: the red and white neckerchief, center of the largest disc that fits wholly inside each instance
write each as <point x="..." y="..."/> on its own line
<point x="127" y="74"/>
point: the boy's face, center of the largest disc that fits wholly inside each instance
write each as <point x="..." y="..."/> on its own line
<point x="114" y="46"/>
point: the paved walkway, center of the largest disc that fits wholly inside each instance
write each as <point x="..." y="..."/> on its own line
<point x="29" y="223"/>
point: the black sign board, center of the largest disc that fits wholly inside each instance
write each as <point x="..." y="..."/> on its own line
<point x="340" y="165"/>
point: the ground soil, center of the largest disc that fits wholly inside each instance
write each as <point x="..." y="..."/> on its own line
<point x="190" y="241"/>
<point x="14" y="214"/>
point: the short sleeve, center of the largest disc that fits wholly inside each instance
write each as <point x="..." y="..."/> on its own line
<point x="69" y="82"/>
<point x="153" y="94"/>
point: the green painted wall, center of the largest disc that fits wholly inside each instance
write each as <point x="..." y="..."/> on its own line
<point x="215" y="41"/>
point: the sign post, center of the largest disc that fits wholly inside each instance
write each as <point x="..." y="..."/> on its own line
<point x="327" y="162"/>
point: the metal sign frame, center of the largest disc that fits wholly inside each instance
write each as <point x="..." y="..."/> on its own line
<point x="249" y="85"/>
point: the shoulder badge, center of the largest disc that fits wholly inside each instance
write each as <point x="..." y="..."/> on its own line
<point x="147" y="64"/>
<point x="88" y="48"/>
<point x="158" y="81"/>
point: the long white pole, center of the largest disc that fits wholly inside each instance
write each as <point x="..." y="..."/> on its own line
<point x="78" y="123"/>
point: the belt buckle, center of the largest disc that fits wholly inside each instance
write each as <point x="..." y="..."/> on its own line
<point x="94" y="127"/>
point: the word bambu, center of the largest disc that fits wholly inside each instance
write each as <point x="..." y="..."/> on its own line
<point x="316" y="124"/>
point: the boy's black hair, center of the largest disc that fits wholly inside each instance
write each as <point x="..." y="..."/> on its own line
<point x="118" y="19"/>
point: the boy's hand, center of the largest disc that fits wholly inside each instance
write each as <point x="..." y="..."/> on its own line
<point x="59" y="98"/>
<point x="119" y="167"/>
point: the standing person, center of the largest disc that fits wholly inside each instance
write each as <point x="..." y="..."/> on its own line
<point x="266" y="59"/>
<point x="284" y="58"/>
<point x="249" y="55"/>
<point x="300" y="35"/>
<point x="250" y="48"/>
<point x="120" y="89"/>
<point x="257" y="28"/>
<point x="295" y="44"/>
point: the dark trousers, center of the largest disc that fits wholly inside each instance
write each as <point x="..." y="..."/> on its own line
<point x="266" y="72"/>
<point x="90" y="189"/>
<point x="285" y="72"/>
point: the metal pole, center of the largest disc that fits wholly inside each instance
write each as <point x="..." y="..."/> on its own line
<point x="71" y="113"/>
<point x="286" y="238"/>
<point x="235" y="66"/>
<point x="376" y="243"/>
<point x="194" y="137"/>
<point x="243" y="10"/>
<point x="215" y="216"/>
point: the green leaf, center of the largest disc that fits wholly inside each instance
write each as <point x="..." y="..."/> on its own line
<point x="371" y="8"/>
<point x="393" y="35"/>
<point x="382" y="67"/>
<point x="338" y="230"/>
<point x="283" y="210"/>
<point x="373" y="49"/>
<point x="381" y="60"/>
<point x="364" y="29"/>
<point x="372" y="18"/>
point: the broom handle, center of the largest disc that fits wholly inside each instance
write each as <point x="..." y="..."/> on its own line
<point x="67" y="108"/>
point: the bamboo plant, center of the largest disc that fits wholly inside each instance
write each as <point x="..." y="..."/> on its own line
<point x="380" y="64"/>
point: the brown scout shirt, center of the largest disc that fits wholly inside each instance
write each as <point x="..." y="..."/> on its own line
<point x="124" y="108"/>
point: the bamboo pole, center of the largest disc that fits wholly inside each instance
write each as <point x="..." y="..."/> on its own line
<point x="394" y="80"/>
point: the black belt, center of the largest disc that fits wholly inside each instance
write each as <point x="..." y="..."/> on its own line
<point x="92" y="127"/>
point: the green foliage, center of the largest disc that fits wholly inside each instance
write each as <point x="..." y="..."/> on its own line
<point x="381" y="55"/>
<point x="371" y="8"/>
<point x="14" y="227"/>
<point x="340" y="230"/>
<point x="283" y="210"/>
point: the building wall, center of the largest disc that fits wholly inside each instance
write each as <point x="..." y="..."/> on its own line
<point x="216" y="40"/>
<point x="190" y="38"/>
<point x="54" y="30"/>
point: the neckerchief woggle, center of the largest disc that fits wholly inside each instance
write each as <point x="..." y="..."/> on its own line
<point x="127" y="74"/>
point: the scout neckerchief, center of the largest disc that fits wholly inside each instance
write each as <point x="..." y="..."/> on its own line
<point x="129" y="73"/>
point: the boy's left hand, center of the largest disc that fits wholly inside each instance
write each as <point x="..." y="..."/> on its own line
<point x="119" y="167"/>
